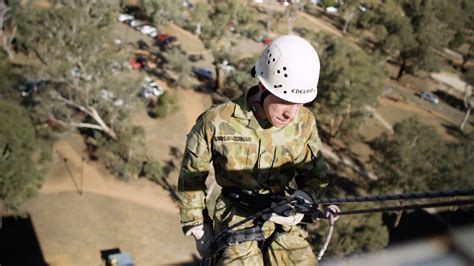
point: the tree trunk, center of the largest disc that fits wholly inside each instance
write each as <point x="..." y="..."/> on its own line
<point x="7" y="44"/>
<point x="343" y="120"/>
<point x="466" y="117"/>
<point x="92" y="112"/>
<point x="402" y="70"/>
<point x="4" y="15"/>
<point x="468" y="103"/>
<point x="217" y="83"/>
<point x="198" y="29"/>
<point x="331" y="127"/>
<point x="467" y="56"/>
<point x="348" y="20"/>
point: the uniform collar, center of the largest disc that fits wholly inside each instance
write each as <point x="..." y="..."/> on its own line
<point x="243" y="111"/>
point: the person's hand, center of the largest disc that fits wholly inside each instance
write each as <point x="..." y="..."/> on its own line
<point x="204" y="235"/>
<point x="280" y="214"/>
<point x="332" y="209"/>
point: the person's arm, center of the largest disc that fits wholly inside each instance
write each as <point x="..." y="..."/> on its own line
<point x="192" y="178"/>
<point x="310" y="165"/>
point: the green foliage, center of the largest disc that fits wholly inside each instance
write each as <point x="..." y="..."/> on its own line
<point x="457" y="40"/>
<point x="468" y="77"/>
<point x="178" y="63"/>
<point x="416" y="158"/>
<point x="9" y="79"/>
<point x="161" y="12"/>
<point x="123" y="157"/>
<point x="411" y="31"/>
<point x="353" y="234"/>
<point x="20" y="175"/>
<point x="166" y="104"/>
<point x="153" y="171"/>
<point x="71" y="46"/>
<point x="328" y="3"/>
<point x="456" y="170"/>
<point x="349" y="80"/>
<point x="236" y="83"/>
<point x="216" y="20"/>
<point x="238" y="80"/>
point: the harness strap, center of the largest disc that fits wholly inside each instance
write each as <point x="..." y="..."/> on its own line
<point x="253" y="233"/>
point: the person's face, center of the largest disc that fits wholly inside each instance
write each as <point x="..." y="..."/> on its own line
<point x="279" y="112"/>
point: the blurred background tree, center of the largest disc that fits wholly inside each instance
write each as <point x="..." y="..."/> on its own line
<point x="21" y="174"/>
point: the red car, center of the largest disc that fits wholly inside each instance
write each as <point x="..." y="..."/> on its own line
<point x="164" y="39"/>
<point x="267" y="40"/>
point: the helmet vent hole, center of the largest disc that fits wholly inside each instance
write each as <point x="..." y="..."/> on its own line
<point x="286" y="75"/>
<point x="273" y="59"/>
<point x="284" y="68"/>
<point x="284" y="92"/>
<point x="268" y="62"/>
<point x="261" y="73"/>
<point x="270" y="55"/>
<point x="277" y="86"/>
<point x="278" y="71"/>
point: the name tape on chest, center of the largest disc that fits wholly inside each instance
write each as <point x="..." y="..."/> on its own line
<point x="232" y="138"/>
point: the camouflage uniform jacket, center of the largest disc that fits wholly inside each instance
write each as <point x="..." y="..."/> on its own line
<point x="245" y="155"/>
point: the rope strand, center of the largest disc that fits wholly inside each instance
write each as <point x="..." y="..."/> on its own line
<point x="407" y="196"/>
<point x="410" y="207"/>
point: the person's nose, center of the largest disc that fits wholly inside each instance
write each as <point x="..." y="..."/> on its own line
<point x="291" y="111"/>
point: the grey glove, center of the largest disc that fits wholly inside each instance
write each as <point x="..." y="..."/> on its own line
<point x="204" y="235"/>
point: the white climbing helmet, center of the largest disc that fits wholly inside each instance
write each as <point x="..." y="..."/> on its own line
<point x="289" y="69"/>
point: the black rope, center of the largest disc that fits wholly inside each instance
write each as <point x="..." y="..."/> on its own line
<point x="407" y="196"/>
<point x="409" y="207"/>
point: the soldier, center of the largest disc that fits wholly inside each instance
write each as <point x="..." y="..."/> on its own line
<point x="260" y="144"/>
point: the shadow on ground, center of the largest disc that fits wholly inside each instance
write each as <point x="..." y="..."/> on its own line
<point x="19" y="245"/>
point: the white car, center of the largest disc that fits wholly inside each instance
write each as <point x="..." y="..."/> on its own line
<point x="136" y="23"/>
<point x="149" y="89"/>
<point x="125" y="17"/>
<point x="430" y="97"/>
<point x="331" y="10"/>
<point x="149" y="30"/>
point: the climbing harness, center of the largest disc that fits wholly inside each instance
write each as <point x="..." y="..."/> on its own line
<point x="312" y="213"/>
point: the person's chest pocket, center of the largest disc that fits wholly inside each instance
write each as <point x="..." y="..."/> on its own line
<point x="283" y="168"/>
<point x="235" y="155"/>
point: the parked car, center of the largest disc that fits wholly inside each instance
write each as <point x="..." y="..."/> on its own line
<point x="263" y="39"/>
<point x="226" y="66"/>
<point x="203" y="74"/>
<point x="149" y="89"/>
<point x="430" y="97"/>
<point x="135" y="23"/>
<point x="125" y="17"/>
<point x="149" y="30"/>
<point x="28" y="87"/>
<point x="331" y="10"/>
<point x="164" y="39"/>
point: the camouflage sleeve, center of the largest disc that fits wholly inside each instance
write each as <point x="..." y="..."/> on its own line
<point x="193" y="174"/>
<point x="310" y="165"/>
